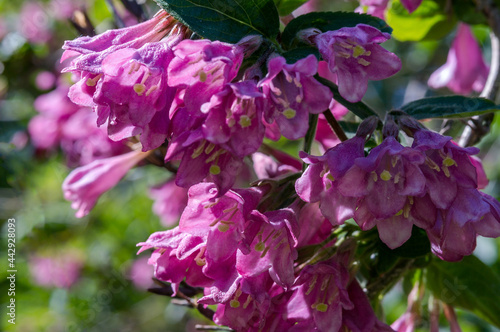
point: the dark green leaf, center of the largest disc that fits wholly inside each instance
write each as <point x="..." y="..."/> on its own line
<point x="467" y="11"/>
<point x="360" y="109"/>
<point x="469" y="284"/>
<point x="349" y="127"/>
<point x="449" y="107"/>
<point x="226" y="20"/>
<point x="285" y="7"/>
<point x="328" y="21"/>
<point x="417" y="245"/>
<point x="430" y="21"/>
<point x="300" y="53"/>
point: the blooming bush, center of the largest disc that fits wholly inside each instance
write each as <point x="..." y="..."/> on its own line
<point x="269" y="240"/>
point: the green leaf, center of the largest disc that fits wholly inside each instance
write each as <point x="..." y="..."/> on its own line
<point x="469" y="284"/>
<point x="328" y="21"/>
<point x="298" y="53"/>
<point x="449" y="107"/>
<point x="360" y="109"/>
<point x="429" y="22"/>
<point x="285" y="7"/>
<point x="467" y="11"/>
<point x="226" y="20"/>
<point x="417" y="245"/>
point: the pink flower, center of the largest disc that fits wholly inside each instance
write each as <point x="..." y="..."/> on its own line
<point x="133" y="94"/>
<point x="355" y="56"/>
<point x="411" y="5"/>
<point x="35" y="23"/>
<point x="62" y="123"/>
<point x="45" y="80"/>
<point x="86" y="184"/>
<point x="373" y="7"/>
<point x="464" y="70"/>
<point x="292" y="94"/>
<point x="141" y="273"/>
<point x="170" y="201"/>
<point x="383" y="181"/>
<point x="122" y="75"/>
<point x="178" y="255"/>
<point x="319" y="182"/>
<point x="202" y="68"/>
<point x="234" y="119"/>
<point x="320" y="296"/>
<point x="60" y="271"/>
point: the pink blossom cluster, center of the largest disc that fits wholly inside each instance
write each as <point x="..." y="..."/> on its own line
<point x="150" y="81"/>
<point x="432" y="185"/>
<point x="61" y="123"/>
<point x="268" y="255"/>
<point x="246" y="261"/>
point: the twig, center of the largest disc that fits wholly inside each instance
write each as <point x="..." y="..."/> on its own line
<point x="359" y="108"/>
<point x="337" y="129"/>
<point x="212" y="328"/>
<point x="478" y="126"/>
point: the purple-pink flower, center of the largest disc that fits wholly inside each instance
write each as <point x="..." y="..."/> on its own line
<point x="355" y="55"/>
<point x="373" y="7"/>
<point x="170" y="201"/>
<point x="464" y="70"/>
<point x="411" y="5"/>
<point x="60" y="271"/>
<point x="292" y="94"/>
<point x="84" y="185"/>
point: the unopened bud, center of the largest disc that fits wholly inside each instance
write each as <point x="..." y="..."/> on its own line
<point x="250" y="44"/>
<point x="409" y="124"/>
<point x="390" y="127"/>
<point x="308" y="35"/>
<point x="368" y="126"/>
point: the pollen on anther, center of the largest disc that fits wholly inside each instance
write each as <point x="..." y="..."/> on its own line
<point x="363" y="62"/>
<point x="289" y="113"/>
<point x="245" y="121"/>
<point x="214" y="170"/>
<point x="385" y="175"/>
<point x="139" y="88"/>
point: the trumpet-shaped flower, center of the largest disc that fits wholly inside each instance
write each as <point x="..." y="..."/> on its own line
<point x="464" y="70"/>
<point x="355" y="55"/>
<point x="293" y="93"/>
<point x="320" y="180"/>
<point x="86" y="184"/>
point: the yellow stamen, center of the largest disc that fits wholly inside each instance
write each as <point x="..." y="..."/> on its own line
<point x="245" y="121"/>
<point x="214" y="170"/>
<point x="357" y="51"/>
<point x="139" y="88"/>
<point x="363" y="62"/>
<point x="289" y="113"/>
<point x="385" y="175"/>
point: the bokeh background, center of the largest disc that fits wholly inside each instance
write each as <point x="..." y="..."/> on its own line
<point x="84" y="274"/>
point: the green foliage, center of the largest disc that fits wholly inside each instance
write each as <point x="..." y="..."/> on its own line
<point x="226" y="20"/>
<point x="467" y="11"/>
<point x="285" y="7"/>
<point x="469" y="284"/>
<point x="326" y="21"/>
<point x="359" y="108"/>
<point x="449" y="107"/>
<point x="298" y="53"/>
<point x="430" y="21"/>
